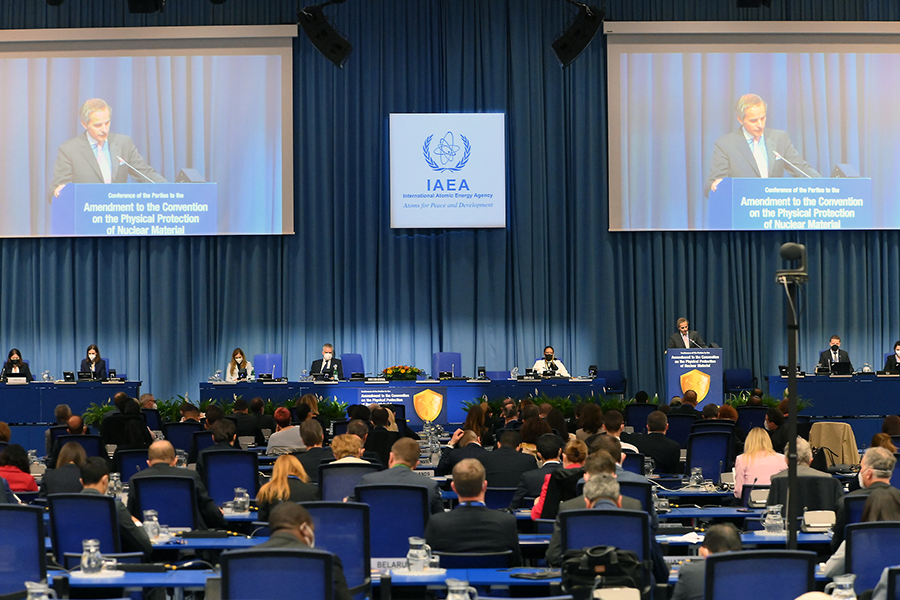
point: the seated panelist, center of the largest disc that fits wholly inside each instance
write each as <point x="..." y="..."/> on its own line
<point x="15" y="366"/>
<point x="94" y="363"/>
<point x="891" y="365"/>
<point x="239" y="369"/>
<point x="834" y="354"/>
<point x="326" y="365"/>
<point x="550" y="365"/>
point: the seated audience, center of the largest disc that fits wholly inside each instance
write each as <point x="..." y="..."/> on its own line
<point x="504" y="465"/>
<point x="572" y="458"/>
<point x="61" y="415"/>
<point x="66" y="477"/>
<point x="758" y="462"/>
<point x="549" y="447"/>
<point x="5" y="432"/>
<point x="286" y="438"/>
<point x="710" y="411"/>
<point x="875" y="472"/>
<point x="614" y="425"/>
<point x="723" y="537"/>
<point x="776" y="428"/>
<point x="883" y="440"/>
<point x="816" y="490"/>
<point x="532" y="428"/>
<point x="74" y="426"/>
<point x="361" y="430"/>
<point x="557" y="422"/>
<point x="14" y="468"/>
<point x="263" y="421"/>
<point x="224" y="435"/>
<point x="688" y="405"/>
<point x="315" y="454"/>
<point x="189" y="413"/>
<point x="379" y="439"/>
<point x="469" y="447"/>
<point x="95" y="477"/>
<point x="347" y="448"/>
<point x="402" y="462"/>
<point x="475" y="422"/>
<point x="891" y="425"/>
<point x="883" y="505"/>
<point x="591" y="421"/>
<point x="289" y="483"/>
<point x="664" y="451"/>
<point x="245" y="422"/>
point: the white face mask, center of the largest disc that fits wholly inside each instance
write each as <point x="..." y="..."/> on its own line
<point x="897" y="351"/>
<point x="92" y="356"/>
<point x="238" y="359"/>
<point x="310" y="535"/>
<point x="328" y="355"/>
<point x="859" y="478"/>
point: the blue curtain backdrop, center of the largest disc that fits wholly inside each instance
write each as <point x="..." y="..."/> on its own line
<point x="169" y="311"/>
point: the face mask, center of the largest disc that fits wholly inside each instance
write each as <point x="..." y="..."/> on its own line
<point x="307" y="530"/>
<point x="92" y="356"/>
<point x="834" y="347"/>
<point x="328" y="355"/>
<point x="548" y="357"/>
<point x="897" y="352"/>
<point x="860" y="479"/>
<point x="17" y="361"/>
<point x="238" y="359"/>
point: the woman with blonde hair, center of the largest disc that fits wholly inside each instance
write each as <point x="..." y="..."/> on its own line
<point x="289" y="483"/>
<point x="758" y="462"/>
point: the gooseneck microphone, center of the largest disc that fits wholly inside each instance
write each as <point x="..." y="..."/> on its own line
<point x="122" y="161"/>
<point x="780" y="157"/>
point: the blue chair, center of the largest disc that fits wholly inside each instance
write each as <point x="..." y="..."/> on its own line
<point x="181" y="434"/>
<point x="750" y="417"/>
<point x="224" y="470"/>
<point x="615" y="381"/>
<point x="93" y="444"/>
<point x="680" y="428"/>
<point x="634" y="462"/>
<point x="77" y="517"/>
<point x="277" y="574"/>
<point x="446" y="361"/>
<point x="640" y="491"/>
<point x="22" y="548"/>
<point x="352" y="363"/>
<point x="173" y="498"/>
<point x="624" y="529"/>
<point x="712" y="451"/>
<point x="396" y="513"/>
<point x="498" y="498"/>
<point x="476" y="560"/>
<point x="895" y="474"/>
<point x="342" y="528"/>
<point x="723" y="425"/>
<point x="497" y="375"/>
<point x="870" y="548"/>
<point x="268" y="363"/>
<point x="853" y="508"/>
<point x="55" y="432"/>
<point x="154" y="421"/>
<point x="337" y="481"/>
<point x="130" y="462"/>
<point x="200" y="440"/>
<point x="738" y="380"/>
<point x="636" y="415"/>
<point x="754" y="574"/>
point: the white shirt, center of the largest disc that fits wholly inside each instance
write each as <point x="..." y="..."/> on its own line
<point x="540" y="365"/>
<point x="232" y="375"/>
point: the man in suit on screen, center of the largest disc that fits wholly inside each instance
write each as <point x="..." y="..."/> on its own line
<point x="97" y="155"/>
<point x="754" y="151"/>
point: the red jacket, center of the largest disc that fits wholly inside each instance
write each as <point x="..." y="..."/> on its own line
<point x="19" y="481"/>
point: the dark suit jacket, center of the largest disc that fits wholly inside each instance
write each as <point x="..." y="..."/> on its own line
<point x="404" y="475"/>
<point x="312" y="458"/>
<point x="207" y="512"/>
<point x="891" y="365"/>
<point x="24" y="371"/>
<point x="504" y="466"/>
<point x="99" y="368"/>
<point x="449" y="459"/>
<point x="76" y="162"/>
<point x="316" y="367"/>
<point x="676" y="341"/>
<point x="64" y="480"/>
<point x="132" y="537"/>
<point x="687" y="409"/>
<point x="665" y="451"/>
<point x="691" y="580"/>
<point x="245" y="424"/>
<point x="380" y="440"/>
<point x="825" y="358"/>
<point x="779" y="439"/>
<point x="815" y="493"/>
<point x="112" y="430"/>
<point x="282" y="539"/>
<point x="264" y="421"/>
<point x="297" y="492"/>
<point x="531" y="483"/>
<point x="732" y="157"/>
<point x="473" y="529"/>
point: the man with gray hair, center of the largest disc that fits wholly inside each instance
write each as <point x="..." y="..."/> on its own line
<point x="326" y="365"/>
<point x="874" y="472"/>
<point x="804" y="459"/>
<point x="754" y="151"/>
<point x="602" y="491"/>
<point x="98" y="156"/>
<point x="816" y="490"/>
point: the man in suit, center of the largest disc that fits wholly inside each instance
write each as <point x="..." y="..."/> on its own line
<point x="161" y="463"/>
<point x="688" y="405"/>
<point x="312" y="435"/>
<point x="361" y="430"/>
<point x="549" y="447"/>
<point x="504" y="465"/>
<point x="875" y="471"/>
<point x="263" y="421"/>
<point x="723" y="537"/>
<point x="244" y="422"/>
<point x="292" y="527"/>
<point x="612" y="445"/>
<point x="327" y="363"/>
<point x="379" y="440"/>
<point x="74" y="426"/>
<point x="776" y="429"/>
<point x="685" y="337"/>
<point x="815" y="490"/>
<point x="95" y="479"/>
<point x="834" y="354"/>
<point x="402" y="462"/>
<point x="224" y="435"/>
<point x="471" y="526"/>
<point x="469" y="444"/>
<point x="753" y="151"/>
<point x="94" y="157"/>
<point x="665" y="452"/>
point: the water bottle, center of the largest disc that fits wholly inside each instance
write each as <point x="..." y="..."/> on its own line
<point x="435" y="450"/>
<point x="335" y="376"/>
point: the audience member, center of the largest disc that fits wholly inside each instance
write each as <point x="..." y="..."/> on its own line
<point x="883" y="440"/>
<point x="549" y="447"/>
<point x="5" y="432"/>
<point x="289" y="482"/>
<point x="315" y="454"/>
<point x="532" y="429"/>
<point x="402" y="462"/>
<point x="292" y="527"/>
<point x="510" y="415"/>
<point x="379" y="440"/>
<point x="244" y="422"/>
<point x="471" y="526"/>
<point x="758" y="462"/>
<point x="504" y="465"/>
<point x="61" y="415"/>
<point x="361" y="430"/>
<point x="689" y="405"/>
<point x="776" y="428"/>
<point x="573" y="456"/>
<point x="223" y="434"/>
<point x="74" y="426"/>
<point x="614" y="425"/>
<point x="642" y="397"/>
<point x="263" y="421"/>
<point x="134" y="436"/>
<point x="883" y="505"/>
<point x="469" y="447"/>
<point x="729" y="413"/>
<point x="66" y="477"/>
<point x="591" y="422"/>
<point x="664" y="451"/>
<point x="875" y="472"/>
<point x="816" y="490"/>
<point x="710" y="411"/>
<point x="612" y="446"/>
<point x="347" y="448"/>
<point x="14" y="468"/>
<point x="95" y="479"/>
<point x="557" y="421"/>
<point x="891" y="425"/>
<point x="286" y="438"/>
<point x="147" y="401"/>
<point x="723" y="537"/>
<point x="475" y="422"/>
<point x="189" y="413"/>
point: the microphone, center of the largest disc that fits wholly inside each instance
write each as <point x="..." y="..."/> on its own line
<point x="122" y="161"/>
<point x="780" y="157"/>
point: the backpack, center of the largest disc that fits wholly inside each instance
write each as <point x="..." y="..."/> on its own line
<point x="600" y="567"/>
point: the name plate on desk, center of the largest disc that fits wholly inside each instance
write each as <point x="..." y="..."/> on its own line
<point x="16" y="381"/>
<point x="324" y="382"/>
<point x="377" y="381"/>
<point x="427" y="381"/>
<point x="425" y="472"/>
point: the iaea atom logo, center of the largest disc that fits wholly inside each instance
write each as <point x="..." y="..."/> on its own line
<point x="447" y="151"/>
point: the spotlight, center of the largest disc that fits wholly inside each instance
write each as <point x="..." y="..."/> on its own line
<point x="323" y="35"/>
<point x="579" y="34"/>
<point x="146" y="6"/>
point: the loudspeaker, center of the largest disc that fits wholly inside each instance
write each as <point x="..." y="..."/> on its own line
<point x="324" y="36"/>
<point x="146" y="6"/>
<point x="844" y="170"/>
<point x="583" y="29"/>
<point x="190" y="176"/>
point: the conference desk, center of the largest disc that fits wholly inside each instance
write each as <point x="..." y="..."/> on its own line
<point x="34" y="402"/>
<point x="859" y="395"/>
<point x="453" y="392"/>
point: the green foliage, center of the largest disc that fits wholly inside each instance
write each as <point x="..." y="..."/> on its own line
<point x="169" y="409"/>
<point x="741" y="399"/>
<point x="653" y="400"/>
<point x="94" y="414"/>
<point x="332" y="410"/>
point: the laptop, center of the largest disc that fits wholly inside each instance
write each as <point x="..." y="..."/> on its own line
<point x="841" y="368"/>
<point x="85" y="375"/>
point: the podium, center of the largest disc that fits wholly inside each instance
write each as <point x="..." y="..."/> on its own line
<point x="135" y="209"/>
<point x="790" y="203"/>
<point x="698" y="369"/>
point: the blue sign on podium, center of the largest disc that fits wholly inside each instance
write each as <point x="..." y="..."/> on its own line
<point x="698" y="369"/>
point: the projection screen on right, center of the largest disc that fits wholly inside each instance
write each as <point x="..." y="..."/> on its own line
<point x="753" y="126"/>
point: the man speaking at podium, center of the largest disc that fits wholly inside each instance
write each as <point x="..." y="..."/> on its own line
<point x="98" y="156"/>
<point x="753" y="151"/>
<point x="684" y="337"/>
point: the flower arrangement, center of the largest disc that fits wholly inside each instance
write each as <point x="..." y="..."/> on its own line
<point x="401" y="372"/>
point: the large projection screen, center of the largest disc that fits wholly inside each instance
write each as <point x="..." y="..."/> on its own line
<point x="829" y="141"/>
<point x="197" y="138"/>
